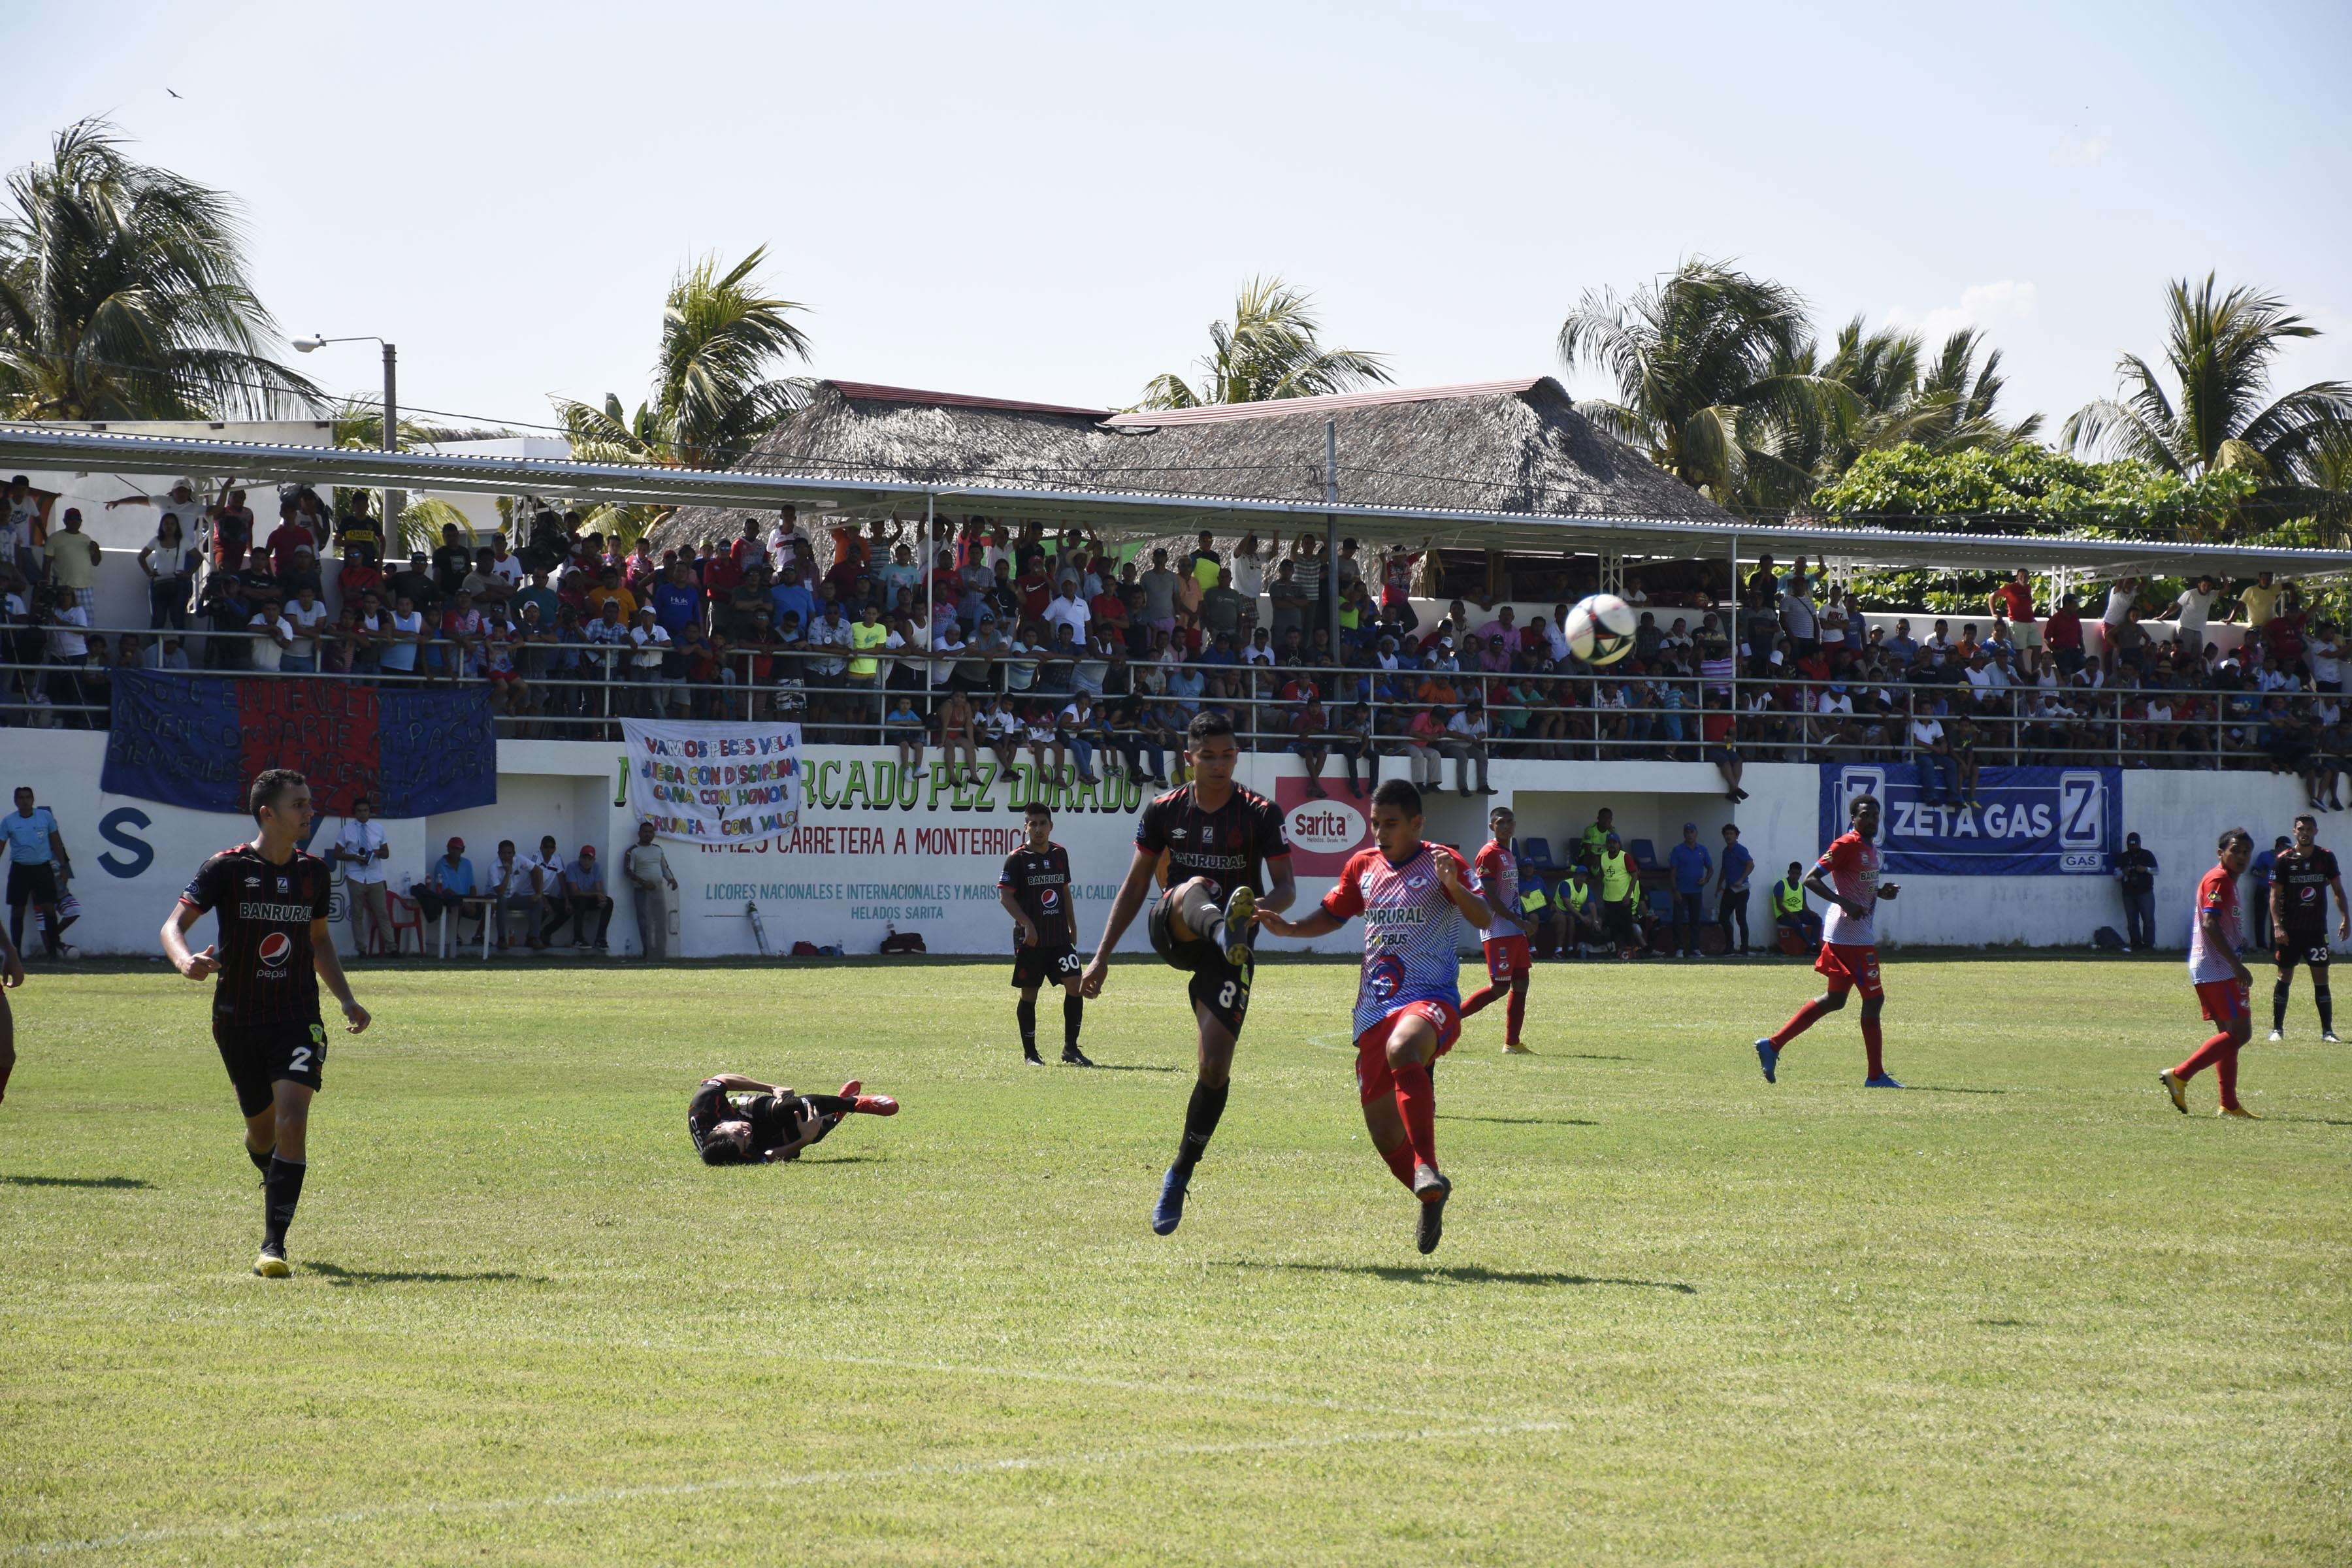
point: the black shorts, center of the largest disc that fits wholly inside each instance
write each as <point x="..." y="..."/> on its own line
<point x="32" y="884"/>
<point x="1216" y="985"/>
<point x="1044" y="964"/>
<point x="2305" y="945"/>
<point x="259" y="1055"/>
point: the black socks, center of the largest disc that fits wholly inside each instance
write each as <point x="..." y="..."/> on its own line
<point x="830" y="1104"/>
<point x="1073" y="1012"/>
<point x="1201" y="1122"/>
<point x="1026" y="1010"/>
<point x="2278" y="1004"/>
<point x="282" y="1189"/>
<point x="2326" y="1001"/>
<point x="260" y="1157"/>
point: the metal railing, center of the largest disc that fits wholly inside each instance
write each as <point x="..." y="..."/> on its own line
<point x="580" y="691"/>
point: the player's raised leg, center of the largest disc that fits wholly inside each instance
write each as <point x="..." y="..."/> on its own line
<point x="1213" y="836"/>
<point x="1508" y="958"/>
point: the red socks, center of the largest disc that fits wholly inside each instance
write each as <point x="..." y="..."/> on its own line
<point x="1870" y="1045"/>
<point x="1417" y="1103"/>
<point x="1399" y="1161"/>
<point x="2220" y="1053"/>
<point x="1478" y="999"/>
<point x="1805" y="1018"/>
<point x="1513" y="1016"/>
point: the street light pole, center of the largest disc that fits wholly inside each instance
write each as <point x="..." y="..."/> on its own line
<point x="394" y="502"/>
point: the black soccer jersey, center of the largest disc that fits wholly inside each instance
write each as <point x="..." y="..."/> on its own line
<point x="774" y="1121"/>
<point x="2300" y="878"/>
<point x="263" y="946"/>
<point x="1227" y="845"/>
<point x="1040" y="882"/>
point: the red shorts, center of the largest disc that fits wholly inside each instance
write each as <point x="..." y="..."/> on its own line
<point x="503" y="675"/>
<point x="1372" y="1076"/>
<point x="2224" y="1001"/>
<point x="1850" y="968"/>
<point x="1506" y="957"/>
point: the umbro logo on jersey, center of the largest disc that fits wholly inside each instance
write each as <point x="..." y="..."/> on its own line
<point x="1178" y="832"/>
<point x="253" y="882"/>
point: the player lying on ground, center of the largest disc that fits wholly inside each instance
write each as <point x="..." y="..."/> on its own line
<point x="1034" y="888"/>
<point x="1508" y="962"/>
<point x="1413" y="897"/>
<point x="1847" y="876"/>
<point x="273" y="948"/>
<point x="2300" y="877"/>
<point x="739" y="1121"/>
<point x="1214" y="835"/>
<point x="2223" y="983"/>
<point x="12" y="973"/>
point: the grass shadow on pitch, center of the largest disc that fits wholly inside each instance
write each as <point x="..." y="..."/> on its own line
<point x="1948" y="1089"/>
<point x="338" y="1275"/>
<point x="1132" y="1067"/>
<point x="1466" y="1274"/>
<point x="1521" y="1120"/>
<point x="74" y="1182"/>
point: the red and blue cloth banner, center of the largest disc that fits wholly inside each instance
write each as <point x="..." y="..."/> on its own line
<point x="197" y="741"/>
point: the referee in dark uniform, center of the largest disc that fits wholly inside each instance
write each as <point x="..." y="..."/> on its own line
<point x="273" y="949"/>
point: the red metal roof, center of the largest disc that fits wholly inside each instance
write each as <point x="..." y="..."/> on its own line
<point x="1288" y="407"/>
<point x="873" y="393"/>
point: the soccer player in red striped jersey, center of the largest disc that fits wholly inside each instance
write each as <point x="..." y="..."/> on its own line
<point x="1847" y="876"/>
<point x="2220" y="978"/>
<point x="1413" y="896"/>
<point x="273" y="949"/>
<point x="1507" y="958"/>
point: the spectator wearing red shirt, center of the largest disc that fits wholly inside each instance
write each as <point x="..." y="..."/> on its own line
<point x="2063" y="636"/>
<point x="721" y="574"/>
<point x="751" y="549"/>
<point x="1035" y="587"/>
<point x="290" y="535"/>
<point x="2283" y="630"/>
<point x="2014" y="599"/>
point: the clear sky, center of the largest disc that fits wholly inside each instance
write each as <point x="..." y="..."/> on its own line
<point x="1052" y="202"/>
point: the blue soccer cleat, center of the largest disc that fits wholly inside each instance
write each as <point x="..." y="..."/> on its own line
<point x="1169" y="1212"/>
<point x="1769" y="1055"/>
<point x="1880" y="1080"/>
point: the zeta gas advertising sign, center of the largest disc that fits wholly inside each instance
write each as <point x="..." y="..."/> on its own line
<point x="2026" y="822"/>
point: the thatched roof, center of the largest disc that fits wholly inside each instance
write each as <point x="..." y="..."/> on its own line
<point x="1511" y="446"/>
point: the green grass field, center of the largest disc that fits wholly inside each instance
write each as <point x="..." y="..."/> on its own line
<point x="2022" y="1314"/>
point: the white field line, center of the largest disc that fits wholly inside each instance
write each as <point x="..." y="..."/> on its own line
<point x="603" y="1496"/>
<point x="943" y="1368"/>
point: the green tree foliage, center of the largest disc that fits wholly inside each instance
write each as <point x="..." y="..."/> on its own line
<point x="2218" y="412"/>
<point x="123" y="295"/>
<point x="1270" y="349"/>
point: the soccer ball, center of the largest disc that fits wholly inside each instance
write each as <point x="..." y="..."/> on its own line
<point x="1600" y="630"/>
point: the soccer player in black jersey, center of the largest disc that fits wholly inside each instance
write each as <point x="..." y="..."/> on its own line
<point x="12" y="973"/>
<point x="1034" y="888"/>
<point x="2302" y="875"/>
<point x="273" y="948"/>
<point x="739" y="1121"/>
<point x="1214" y="835"/>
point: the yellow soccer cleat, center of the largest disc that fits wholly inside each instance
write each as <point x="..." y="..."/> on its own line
<point x="2175" y="1088"/>
<point x="272" y="1264"/>
<point x="1517" y="1051"/>
<point x="2238" y="1110"/>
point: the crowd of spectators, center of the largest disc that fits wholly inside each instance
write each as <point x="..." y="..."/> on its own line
<point x="1028" y="643"/>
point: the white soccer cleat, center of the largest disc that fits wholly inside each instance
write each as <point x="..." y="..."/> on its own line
<point x="2276" y="1036"/>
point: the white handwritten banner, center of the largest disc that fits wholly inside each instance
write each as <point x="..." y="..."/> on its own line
<point x="715" y="784"/>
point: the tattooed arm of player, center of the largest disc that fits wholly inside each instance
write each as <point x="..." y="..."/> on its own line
<point x="1285" y="886"/>
<point x="330" y="970"/>
<point x="1123" y="908"/>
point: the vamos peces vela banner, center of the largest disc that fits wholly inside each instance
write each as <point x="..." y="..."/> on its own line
<point x="715" y="784"/>
<point x="2026" y="822"/>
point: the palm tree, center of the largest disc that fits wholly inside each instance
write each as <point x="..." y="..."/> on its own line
<point x="1267" y="351"/>
<point x="2220" y="352"/>
<point x="714" y="395"/>
<point x="1715" y="377"/>
<point x="123" y="295"/>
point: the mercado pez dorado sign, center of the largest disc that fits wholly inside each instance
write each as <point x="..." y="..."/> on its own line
<point x="2027" y="821"/>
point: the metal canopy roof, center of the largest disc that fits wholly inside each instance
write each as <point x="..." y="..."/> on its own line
<point x="1130" y="513"/>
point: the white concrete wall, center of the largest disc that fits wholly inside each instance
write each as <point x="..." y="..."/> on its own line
<point x="861" y="867"/>
<point x="131" y="526"/>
